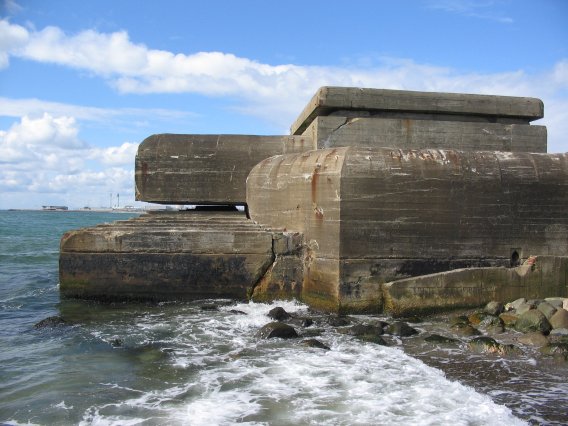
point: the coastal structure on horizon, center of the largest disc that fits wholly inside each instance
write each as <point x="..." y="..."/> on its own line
<point x="378" y="201"/>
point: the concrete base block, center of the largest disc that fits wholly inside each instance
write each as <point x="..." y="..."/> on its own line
<point x="473" y="287"/>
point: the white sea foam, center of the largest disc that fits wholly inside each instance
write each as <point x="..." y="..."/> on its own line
<point x="241" y="379"/>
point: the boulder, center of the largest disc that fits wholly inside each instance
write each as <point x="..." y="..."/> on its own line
<point x="277" y="329"/>
<point x="524" y="307"/>
<point x="369" y="338"/>
<point x="465" y="330"/>
<point x="536" y="338"/>
<point x="401" y="329"/>
<point x="476" y="318"/>
<point x="559" y="319"/>
<point x="494" y="308"/>
<point x="509" y="319"/>
<point x="565" y="304"/>
<point x="533" y="320"/>
<point x="314" y="343"/>
<point x="365" y="329"/>
<point x="460" y="319"/>
<point x="489" y="345"/>
<point x="440" y="340"/>
<point x="338" y="321"/>
<point x="50" y="322"/>
<point x="555" y="301"/>
<point x="547" y="309"/>
<point x="557" y="350"/>
<point x="279" y="314"/>
<point x="513" y="306"/>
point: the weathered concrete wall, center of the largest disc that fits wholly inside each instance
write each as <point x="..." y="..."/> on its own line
<point x="301" y="193"/>
<point x="180" y="256"/>
<point x="204" y="169"/>
<point x="409" y="213"/>
<point x="371" y="216"/>
<point x="390" y="103"/>
<point x="477" y="286"/>
<point x="335" y="131"/>
<point x="187" y="255"/>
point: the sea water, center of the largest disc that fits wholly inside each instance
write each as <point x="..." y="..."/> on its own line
<point x="178" y="364"/>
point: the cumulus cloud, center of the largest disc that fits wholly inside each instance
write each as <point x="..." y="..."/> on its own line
<point x="45" y="155"/>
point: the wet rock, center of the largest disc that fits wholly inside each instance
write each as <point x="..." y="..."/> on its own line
<point x="558" y="350"/>
<point x="401" y="329"/>
<point x="279" y="314"/>
<point x="509" y="319"/>
<point x="277" y="329"/>
<point x="440" y="340"/>
<point x="559" y="319"/>
<point x="555" y="301"/>
<point x="116" y="343"/>
<point x="476" y="318"/>
<point x="465" y="330"/>
<point x="559" y="332"/>
<point x="524" y="307"/>
<point x="489" y="345"/>
<point x="315" y="343"/>
<point x="307" y="322"/>
<point x="536" y="338"/>
<point x="237" y="312"/>
<point x="338" y="321"/>
<point x="494" y="308"/>
<point x="533" y="320"/>
<point x="378" y="340"/>
<point x="460" y="319"/>
<point x="412" y="319"/>
<point x="492" y="324"/>
<point x="547" y="309"/>
<point x="513" y="306"/>
<point x="50" y="322"/>
<point x="365" y="329"/>
<point x="209" y="307"/>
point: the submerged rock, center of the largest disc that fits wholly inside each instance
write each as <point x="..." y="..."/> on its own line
<point x="533" y="320"/>
<point x="370" y="338"/>
<point x="460" y="319"/>
<point x="401" y="329"/>
<point x="338" y="321"/>
<point x="476" y="318"/>
<point x="465" y="330"/>
<point x="277" y="329"/>
<point x="50" y="322"/>
<point x="365" y="329"/>
<point x="438" y="339"/>
<point x="279" y="314"/>
<point x="315" y="343"/>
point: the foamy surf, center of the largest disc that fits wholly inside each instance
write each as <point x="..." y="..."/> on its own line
<point x="232" y="377"/>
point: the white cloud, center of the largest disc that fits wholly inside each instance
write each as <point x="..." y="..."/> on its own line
<point x="471" y="8"/>
<point x="44" y="155"/>
<point x="12" y="37"/>
<point x="115" y="155"/>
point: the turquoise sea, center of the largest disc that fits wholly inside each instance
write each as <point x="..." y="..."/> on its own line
<point x="179" y="364"/>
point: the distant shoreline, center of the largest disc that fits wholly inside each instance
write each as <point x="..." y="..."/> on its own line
<point x="92" y="210"/>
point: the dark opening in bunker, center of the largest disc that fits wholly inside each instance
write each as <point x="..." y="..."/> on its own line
<point x="515" y="259"/>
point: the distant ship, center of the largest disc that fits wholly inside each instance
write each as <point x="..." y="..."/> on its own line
<point x="55" y="208"/>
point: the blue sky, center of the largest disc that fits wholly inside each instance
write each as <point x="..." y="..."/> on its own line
<point x="82" y="83"/>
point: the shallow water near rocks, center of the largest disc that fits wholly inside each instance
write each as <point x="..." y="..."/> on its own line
<point x="178" y="364"/>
